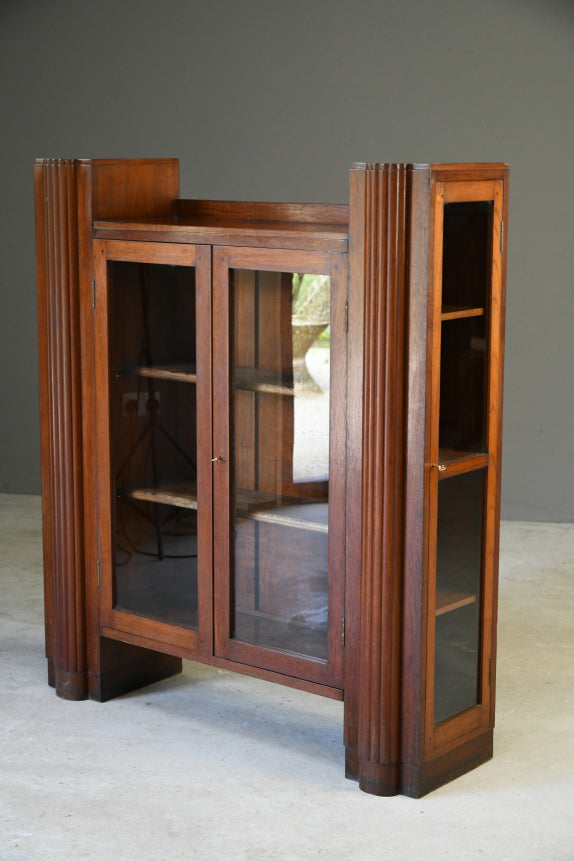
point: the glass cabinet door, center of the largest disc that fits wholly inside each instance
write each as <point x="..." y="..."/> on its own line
<point x="278" y="315"/>
<point x="463" y="453"/>
<point x="155" y="381"/>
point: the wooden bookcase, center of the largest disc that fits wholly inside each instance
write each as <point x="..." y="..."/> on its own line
<point x="271" y="440"/>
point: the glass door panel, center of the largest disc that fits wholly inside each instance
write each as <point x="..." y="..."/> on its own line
<point x="466" y="255"/>
<point x="153" y="437"/>
<point x="458" y="593"/>
<point x="465" y="324"/>
<point x="280" y="382"/>
<point x="466" y="288"/>
<point x="463" y="367"/>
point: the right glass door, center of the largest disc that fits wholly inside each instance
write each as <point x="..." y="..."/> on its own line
<point x="463" y="455"/>
<point x="284" y="469"/>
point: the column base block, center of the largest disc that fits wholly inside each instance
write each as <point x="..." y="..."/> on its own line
<point x="124" y="668"/>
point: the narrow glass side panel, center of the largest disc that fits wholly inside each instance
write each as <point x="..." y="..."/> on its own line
<point x="153" y="440"/>
<point x="281" y="355"/>
<point x="466" y="288"/>
<point x="458" y="593"/>
<point x="467" y="252"/>
<point x="463" y="379"/>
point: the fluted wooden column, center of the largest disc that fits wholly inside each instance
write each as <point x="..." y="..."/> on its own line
<point x="378" y="267"/>
<point x="70" y="194"/>
<point x="60" y="394"/>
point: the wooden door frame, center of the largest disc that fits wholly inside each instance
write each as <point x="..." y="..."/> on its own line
<point x="474" y="720"/>
<point x="335" y="265"/>
<point x="111" y="619"/>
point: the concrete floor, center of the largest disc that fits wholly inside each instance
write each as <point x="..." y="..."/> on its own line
<point x="212" y="765"/>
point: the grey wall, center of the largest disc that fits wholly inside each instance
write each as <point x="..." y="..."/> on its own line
<point x="267" y="100"/>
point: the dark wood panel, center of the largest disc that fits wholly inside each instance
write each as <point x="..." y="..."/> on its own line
<point x="297" y="213"/>
<point x="381" y="192"/>
<point x="69" y="193"/>
<point x="242" y="235"/>
<point x="61" y="423"/>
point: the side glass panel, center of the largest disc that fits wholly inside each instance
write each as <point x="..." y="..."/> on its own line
<point x="281" y="362"/>
<point x="466" y="268"/>
<point x="466" y="259"/>
<point x="153" y="415"/>
<point x="458" y="593"/>
<point x="462" y="425"/>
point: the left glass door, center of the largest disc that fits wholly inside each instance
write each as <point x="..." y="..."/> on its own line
<point x="153" y="369"/>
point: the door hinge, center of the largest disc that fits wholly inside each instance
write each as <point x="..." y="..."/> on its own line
<point x="346" y="316"/>
<point x="343" y="630"/>
<point x="490" y="672"/>
<point x="501" y="236"/>
<point x="93" y="294"/>
<point x="99" y="567"/>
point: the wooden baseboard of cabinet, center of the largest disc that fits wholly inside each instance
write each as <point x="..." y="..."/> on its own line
<point x="126" y="668"/>
<point x="418" y="781"/>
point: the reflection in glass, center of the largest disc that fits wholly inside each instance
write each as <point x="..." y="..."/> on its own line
<point x="281" y="459"/>
<point x="153" y="440"/>
<point x="462" y="424"/>
<point x="466" y="261"/>
<point x="466" y="268"/>
<point x="458" y="586"/>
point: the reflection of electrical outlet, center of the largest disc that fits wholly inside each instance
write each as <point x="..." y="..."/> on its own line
<point x="139" y="404"/>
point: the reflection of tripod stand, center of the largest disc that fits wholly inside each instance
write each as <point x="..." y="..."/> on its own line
<point x="153" y="428"/>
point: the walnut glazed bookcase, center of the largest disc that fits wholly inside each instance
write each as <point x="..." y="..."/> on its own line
<point x="271" y="441"/>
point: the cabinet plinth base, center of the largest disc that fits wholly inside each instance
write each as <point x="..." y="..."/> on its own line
<point x="125" y="668"/>
<point x="418" y="781"/>
<point x="69" y="685"/>
<point x="377" y="778"/>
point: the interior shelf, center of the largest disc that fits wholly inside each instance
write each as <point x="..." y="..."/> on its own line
<point x="261" y="380"/>
<point x="313" y="517"/>
<point x="452" y="599"/>
<point x="455" y="312"/>
<point x="182" y="372"/>
<point x="181" y="495"/>
<point x="250" y="504"/>
<point x="249" y="379"/>
<point x="450" y="456"/>
<point x="270" y="382"/>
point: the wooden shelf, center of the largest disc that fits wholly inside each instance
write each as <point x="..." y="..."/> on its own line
<point x="250" y="504"/>
<point x="270" y="383"/>
<point x="453" y="460"/>
<point x="180" y="372"/>
<point x="181" y="495"/>
<point x="453" y="312"/>
<point x="184" y="495"/>
<point x="261" y="380"/>
<point x="313" y="517"/>
<point x="248" y="379"/>
<point x="448" y="600"/>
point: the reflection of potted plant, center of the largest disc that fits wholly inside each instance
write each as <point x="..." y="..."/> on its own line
<point x="310" y="319"/>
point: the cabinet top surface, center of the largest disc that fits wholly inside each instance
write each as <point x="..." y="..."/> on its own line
<point x="286" y="225"/>
<point x="189" y="225"/>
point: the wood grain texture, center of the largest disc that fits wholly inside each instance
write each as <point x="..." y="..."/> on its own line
<point x="69" y="193"/>
<point x="382" y="191"/>
<point x="61" y="421"/>
<point x="385" y="462"/>
<point x="433" y="753"/>
<point x="305" y="214"/>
